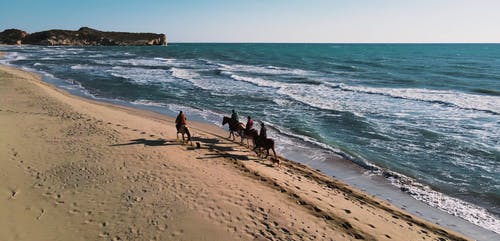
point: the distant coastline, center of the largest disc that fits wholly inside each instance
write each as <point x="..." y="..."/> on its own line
<point x="82" y="37"/>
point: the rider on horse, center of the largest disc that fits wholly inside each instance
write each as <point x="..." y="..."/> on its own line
<point x="234" y="117"/>
<point x="248" y="126"/>
<point x="180" y="120"/>
<point x="263" y="132"/>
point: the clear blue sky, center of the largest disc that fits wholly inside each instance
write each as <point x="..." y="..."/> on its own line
<point x="268" y="20"/>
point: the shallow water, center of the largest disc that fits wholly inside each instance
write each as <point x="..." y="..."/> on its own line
<point x="427" y="113"/>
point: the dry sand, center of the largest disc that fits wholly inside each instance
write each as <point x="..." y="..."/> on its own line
<point x="76" y="169"/>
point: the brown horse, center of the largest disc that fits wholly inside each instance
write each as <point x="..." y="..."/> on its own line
<point x="249" y="135"/>
<point x="183" y="130"/>
<point x="234" y="126"/>
<point x="266" y="144"/>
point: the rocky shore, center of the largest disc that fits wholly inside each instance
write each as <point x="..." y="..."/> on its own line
<point x="81" y="37"/>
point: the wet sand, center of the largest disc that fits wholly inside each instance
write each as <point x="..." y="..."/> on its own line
<point x="77" y="169"/>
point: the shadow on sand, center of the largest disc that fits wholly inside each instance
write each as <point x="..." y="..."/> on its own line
<point x="225" y="155"/>
<point x="158" y="142"/>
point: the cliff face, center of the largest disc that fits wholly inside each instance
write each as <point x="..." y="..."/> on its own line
<point x="12" y="36"/>
<point x="88" y="36"/>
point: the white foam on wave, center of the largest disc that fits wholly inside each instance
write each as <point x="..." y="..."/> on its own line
<point x="255" y="80"/>
<point x="13" y="56"/>
<point x="358" y="159"/>
<point x="270" y="70"/>
<point x="183" y="73"/>
<point x="143" y="62"/>
<point x="209" y="83"/>
<point x="324" y="97"/>
<point x="458" y="99"/>
<point x="82" y="67"/>
<point x="140" y="75"/>
<point x="147" y="62"/>
<point x="454" y="206"/>
<point x="95" y="56"/>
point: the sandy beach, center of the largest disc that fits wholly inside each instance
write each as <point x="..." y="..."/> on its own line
<point x="77" y="169"/>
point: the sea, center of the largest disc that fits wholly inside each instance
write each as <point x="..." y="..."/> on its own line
<point x="424" y="117"/>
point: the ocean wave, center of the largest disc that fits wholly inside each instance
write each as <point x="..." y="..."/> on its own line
<point x="465" y="210"/>
<point x="461" y="100"/>
<point x="82" y="67"/>
<point x="13" y="56"/>
<point x="356" y="159"/>
<point x="454" y="206"/>
<point x="143" y="62"/>
<point x="148" y="62"/>
<point x="254" y="80"/>
<point x="269" y="70"/>
<point x="183" y="73"/>
<point x="140" y="75"/>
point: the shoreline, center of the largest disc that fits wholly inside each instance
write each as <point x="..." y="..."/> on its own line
<point x="245" y="163"/>
<point x="338" y="167"/>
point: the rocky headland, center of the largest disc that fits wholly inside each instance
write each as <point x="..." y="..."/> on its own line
<point x="83" y="36"/>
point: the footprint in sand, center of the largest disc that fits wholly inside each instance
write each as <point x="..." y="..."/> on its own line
<point x="74" y="211"/>
<point x="42" y="211"/>
<point x="13" y="193"/>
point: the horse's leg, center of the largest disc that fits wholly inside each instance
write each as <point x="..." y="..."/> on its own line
<point x="275" y="156"/>
<point x="188" y="134"/>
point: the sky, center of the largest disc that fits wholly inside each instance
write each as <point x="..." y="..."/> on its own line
<point x="324" y="21"/>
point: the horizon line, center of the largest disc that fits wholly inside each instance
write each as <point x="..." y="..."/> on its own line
<point x="279" y="42"/>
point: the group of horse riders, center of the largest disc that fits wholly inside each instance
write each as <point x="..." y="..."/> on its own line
<point x="249" y="126"/>
<point x="247" y="131"/>
<point x="181" y="122"/>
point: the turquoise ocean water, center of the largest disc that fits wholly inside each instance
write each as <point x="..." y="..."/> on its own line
<point x="425" y="116"/>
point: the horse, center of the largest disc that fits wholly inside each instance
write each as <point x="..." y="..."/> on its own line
<point x="249" y="135"/>
<point x="183" y="129"/>
<point x="237" y="127"/>
<point x="265" y="144"/>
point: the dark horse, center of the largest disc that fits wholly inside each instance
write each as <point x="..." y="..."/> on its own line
<point x="183" y="130"/>
<point x="265" y="144"/>
<point x="234" y="126"/>
<point x="249" y="134"/>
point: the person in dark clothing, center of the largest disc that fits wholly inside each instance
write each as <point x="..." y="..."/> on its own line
<point x="180" y="120"/>
<point x="234" y="117"/>
<point x="263" y="132"/>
